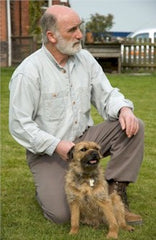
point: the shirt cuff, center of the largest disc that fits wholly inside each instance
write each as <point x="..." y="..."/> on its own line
<point x="50" y="150"/>
<point x="116" y="109"/>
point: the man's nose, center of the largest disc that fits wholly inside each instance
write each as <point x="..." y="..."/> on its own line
<point x="79" y="34"/>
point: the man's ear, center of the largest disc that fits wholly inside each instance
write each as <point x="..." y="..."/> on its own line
<point x="51" y="37"/>
<point x="70" y="154"/>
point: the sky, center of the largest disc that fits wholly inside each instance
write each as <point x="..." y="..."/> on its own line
<point x="129" y="15"/>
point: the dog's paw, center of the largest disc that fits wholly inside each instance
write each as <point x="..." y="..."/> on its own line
<point x="127" y="228"/>
<point x="73" y="231"/>
<point x="130" y="228"/>
<point x="112" y="235"/>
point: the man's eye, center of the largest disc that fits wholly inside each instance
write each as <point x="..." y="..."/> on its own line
<point x="73" y="29"/>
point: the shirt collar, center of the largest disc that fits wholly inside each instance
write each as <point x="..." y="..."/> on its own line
<point x="71" y="60"/>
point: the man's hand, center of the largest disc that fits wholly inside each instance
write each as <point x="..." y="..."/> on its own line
<point x="128" y="121"/>
<point x="63" y="148"/>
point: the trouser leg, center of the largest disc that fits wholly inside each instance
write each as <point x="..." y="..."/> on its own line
<point x="48" y="173"/>
<point x="126" y="154"/>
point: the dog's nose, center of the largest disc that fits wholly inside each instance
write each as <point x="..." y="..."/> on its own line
<point x="95" y="155"/>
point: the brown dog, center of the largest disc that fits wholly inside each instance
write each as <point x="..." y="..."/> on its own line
<point x="87" y="192"/>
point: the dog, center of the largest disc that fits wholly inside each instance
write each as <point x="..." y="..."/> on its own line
<point x="87" y="192"/>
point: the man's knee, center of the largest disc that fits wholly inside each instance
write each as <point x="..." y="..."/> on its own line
<point x="54" y="208"/>
<point x="58" y="217"/>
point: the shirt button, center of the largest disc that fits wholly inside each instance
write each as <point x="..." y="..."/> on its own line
<point x="63" y="70"/>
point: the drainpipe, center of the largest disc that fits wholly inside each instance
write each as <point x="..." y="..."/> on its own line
<point x="9" y="33"/>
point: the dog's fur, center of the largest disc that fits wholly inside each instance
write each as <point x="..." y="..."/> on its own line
<point x="87" y="192"/>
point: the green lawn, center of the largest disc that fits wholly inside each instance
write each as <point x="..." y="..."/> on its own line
<point x="21" y="216"/>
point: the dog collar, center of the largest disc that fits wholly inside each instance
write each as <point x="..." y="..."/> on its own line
<point x="91" y="182"/>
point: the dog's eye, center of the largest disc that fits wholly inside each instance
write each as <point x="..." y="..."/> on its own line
<point x="97" y="149"/>
<point x="83" y="149"/>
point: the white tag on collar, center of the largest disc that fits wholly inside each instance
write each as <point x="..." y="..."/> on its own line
<point x="91" y="182"/>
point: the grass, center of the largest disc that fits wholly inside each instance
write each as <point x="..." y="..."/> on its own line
<point x="22" y="218"/>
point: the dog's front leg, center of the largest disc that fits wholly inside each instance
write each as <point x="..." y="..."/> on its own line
<point x="119" y="212"/>
<point x="107" y="208"/>
<point x="75" y="217"/>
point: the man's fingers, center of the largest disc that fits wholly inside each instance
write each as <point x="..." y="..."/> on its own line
<point x="132" y="127"/>
<point x="122" y="123"/>
<point x="128" y="122"/>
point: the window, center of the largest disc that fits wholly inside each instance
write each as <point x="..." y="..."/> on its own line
<point x="142" y="36"/>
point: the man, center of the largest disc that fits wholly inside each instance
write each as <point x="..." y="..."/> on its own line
<point x="50" y="100"/>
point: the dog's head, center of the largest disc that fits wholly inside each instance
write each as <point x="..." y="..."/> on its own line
<point x="85" y="154"/>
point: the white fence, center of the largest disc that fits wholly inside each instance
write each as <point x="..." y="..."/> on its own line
<point x="136" y="55"/>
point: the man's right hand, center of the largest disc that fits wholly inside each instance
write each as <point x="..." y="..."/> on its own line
<point x="63" y="148"/>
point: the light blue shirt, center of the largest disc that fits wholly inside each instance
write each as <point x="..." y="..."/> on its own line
<point x="49" y="103"/>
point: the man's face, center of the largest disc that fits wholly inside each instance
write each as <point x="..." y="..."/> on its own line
<point x="69" y="36"/>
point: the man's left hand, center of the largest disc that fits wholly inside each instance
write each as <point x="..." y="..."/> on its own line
<point x="128" y="121"/>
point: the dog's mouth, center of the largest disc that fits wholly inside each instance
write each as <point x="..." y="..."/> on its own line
<point x="93" y="162"/>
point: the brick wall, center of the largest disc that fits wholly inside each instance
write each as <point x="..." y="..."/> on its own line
<point x="20" y="18"/>
<point x="19" y="25"/>
<point x="3" y="21"/>
<point x="3" y="34"/>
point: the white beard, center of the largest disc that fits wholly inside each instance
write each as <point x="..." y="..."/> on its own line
<point x="66" y="47"/>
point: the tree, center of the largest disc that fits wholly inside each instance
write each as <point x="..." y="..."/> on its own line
<point x="99" y="23"/>
<point x="35" y="12"/>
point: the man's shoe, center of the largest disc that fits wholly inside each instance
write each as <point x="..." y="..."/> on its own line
<point x="132" y="218"/>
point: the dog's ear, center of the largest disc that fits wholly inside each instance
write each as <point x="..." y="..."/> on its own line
<point x="70" y="154"/>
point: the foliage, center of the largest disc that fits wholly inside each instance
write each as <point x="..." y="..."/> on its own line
<point x="99" y="23"/>
<point x="35" y="13"/>
<point x="22" y="218"/>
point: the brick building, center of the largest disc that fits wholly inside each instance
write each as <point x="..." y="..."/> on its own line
<point x="3" y="34"/>
<point x="15" y="40"/>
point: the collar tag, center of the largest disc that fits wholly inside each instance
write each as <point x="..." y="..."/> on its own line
<point x="91" y="182"/>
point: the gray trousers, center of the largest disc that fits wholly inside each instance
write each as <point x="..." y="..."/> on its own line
<point x="126" y="155"/>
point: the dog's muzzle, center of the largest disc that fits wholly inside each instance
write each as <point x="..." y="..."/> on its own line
<point x="90" y="160"/>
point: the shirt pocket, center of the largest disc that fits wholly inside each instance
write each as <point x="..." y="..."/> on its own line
<point x="54" y="106"/>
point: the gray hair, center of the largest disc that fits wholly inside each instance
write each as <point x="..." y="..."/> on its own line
<point x="48" y="22"/>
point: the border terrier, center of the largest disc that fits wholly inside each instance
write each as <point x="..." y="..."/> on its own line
<point x="87" y="192"/>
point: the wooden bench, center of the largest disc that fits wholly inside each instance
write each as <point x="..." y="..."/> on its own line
<point x="108" y="54"/>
